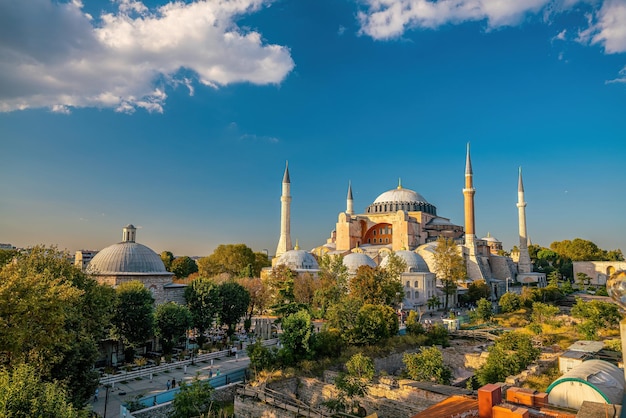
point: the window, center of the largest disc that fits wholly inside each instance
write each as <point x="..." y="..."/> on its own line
<point x="408" y="283"/>
<point x="416" y="284"/>
<point x="408" y="295"/>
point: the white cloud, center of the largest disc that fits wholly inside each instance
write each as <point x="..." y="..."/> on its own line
<point x="609" y="28"/>
<point x="620" y="79"/>
<point x="53" y="55"/>
<point x="385" y="19"/>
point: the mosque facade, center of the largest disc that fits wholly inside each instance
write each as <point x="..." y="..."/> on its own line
<point x="402" y="221"/>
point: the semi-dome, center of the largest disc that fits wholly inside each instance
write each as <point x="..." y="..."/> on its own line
<point x="127" y="257"/>
<point x="353" y="261"/>
<point x="298" y="260"/>
<point x="401" y="199"/>
<point x="414" y="262"/>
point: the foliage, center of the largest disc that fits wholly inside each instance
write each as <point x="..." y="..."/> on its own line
<point x="583" y="280"/>
<point x="374" y="323"/>
<point x="433" y="302"/>
<point x="235" y="260"/>
<point x="510" y="302"/>
<point x="167" y="257"/>
<point x="484" y="310"/>
<point x="542" y="312"/>
<point x="596" y="315"/>
<point x="281" y="284"/>
<point x="438" y="335"/>
<point x="24" y="394"/>
<point x="413" y="326"/>
<point x="172" y="322"/>
<point x="193" y="399"/>
<point x="376" y="286"/>
<point x="327" y="343"/>
<point x="6" y="256"/>
<point x="304" y="288"/>
<point x="449" y="266"/>
<point x="203" y="300"/>
<point x="261" y="357"/>
<point x="342" y="316"/>
<point x="583" y="250"/>
<point x="296" y="337"/>
<point x="394" y="266"/>
<point x="133" y="319"/>
<point x="352" y="383"/>
<point x="184" y="266"/>
<point x="259" y="294"/>
<point x="477" y="290"/>
<point x="613" y="345"/>
<point x="333" y="278"/>
<point x="511" y="354"/>
<point x="427" y="366"/>
<point x="234" y="304"/>
<point x="51" y="316"/>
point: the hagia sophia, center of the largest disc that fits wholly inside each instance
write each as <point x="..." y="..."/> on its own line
<point x="399" y="220"/>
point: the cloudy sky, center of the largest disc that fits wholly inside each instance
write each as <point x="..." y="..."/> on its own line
<point x="180" y="117"/>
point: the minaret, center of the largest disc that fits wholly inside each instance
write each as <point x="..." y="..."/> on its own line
<point x="284" y="242"/>
<point x="523" y="264"/>
<point x="350" y="201"/>
<point x="468" y="194"/>
<point x="129" y="233"/>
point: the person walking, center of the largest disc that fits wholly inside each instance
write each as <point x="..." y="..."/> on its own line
<point x="168" y="384"/>
<point x="95" y="395"/>
<point x="173" y="383"/>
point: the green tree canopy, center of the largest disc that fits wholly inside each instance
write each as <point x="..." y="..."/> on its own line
<point x="133" y="318"/>
<point x="193" y="399"/>
<point x="259" y="295"/>
<point x="235" y="260"/>
<point x="374" y="285"/>
<point x="478" y="289"/>
<point x="172" y="322"/>
<point x="484" y="310"/>
<point x="511" y="354"/>
<point x="427" y="366"/>
<point x="582" y="250"/>
<point x="281" y="287"/>
<point x="6" y="256"/>
<point x="52" y="315"/>
<point x="449" y="266"/>
<point x="510" y="302"/>
<point x="183" y="267"/>
<point x="596" y="315"/>
<point x="374" y="323"/>
<point x="203" y="300"/>
<point x="352" y="383"/>
<point x="333" y="279"/>
<point x="23" y="394"/>
<point x="234" y="304"/>
<point x="296" y="337"/>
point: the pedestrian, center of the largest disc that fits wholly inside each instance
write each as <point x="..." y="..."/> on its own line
<point x="210" y="373"/>
<point x="173" y="383"/>
<point x="95" y="395"/>
<point x="168" y="384"/>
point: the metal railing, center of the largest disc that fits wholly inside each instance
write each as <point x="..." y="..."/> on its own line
<point x="146" y="371"/>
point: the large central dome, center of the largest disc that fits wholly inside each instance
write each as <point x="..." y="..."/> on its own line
<point x="401" y="199"/>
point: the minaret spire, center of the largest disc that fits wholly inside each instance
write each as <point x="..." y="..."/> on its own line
<point x="284" y="242"/>
<point x="523" y="265"/>
<point x="349" y="200"/>
<point x="468" y="193"/>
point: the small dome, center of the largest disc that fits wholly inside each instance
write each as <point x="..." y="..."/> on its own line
<point x="355" y="260"/>
<point x="298" y="260"/>
<point x="126" y="258"/>
<point x="490" y="238"/>
<point x="401" y="199"/>
<point x="414" y="262"/>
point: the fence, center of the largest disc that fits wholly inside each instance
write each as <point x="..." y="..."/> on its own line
<point x="133" y="374"/>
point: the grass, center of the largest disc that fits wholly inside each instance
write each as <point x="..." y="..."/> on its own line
<point x="541" y="382"/>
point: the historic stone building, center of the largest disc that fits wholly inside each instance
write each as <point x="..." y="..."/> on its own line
<point x="129" y="260"/>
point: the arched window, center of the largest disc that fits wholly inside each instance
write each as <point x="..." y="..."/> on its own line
<point x="408" y="283"/>
<point x="416" y="284"/>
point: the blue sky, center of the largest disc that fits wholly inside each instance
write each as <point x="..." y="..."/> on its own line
<point x="179" y="117"/>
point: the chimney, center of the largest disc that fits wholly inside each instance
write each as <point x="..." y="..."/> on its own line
<point x="489" y="396"/>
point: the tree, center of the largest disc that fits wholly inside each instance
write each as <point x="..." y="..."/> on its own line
<point x="6" y="256"/>
<point x="413" y="325"/>
<point x="167" y="257"/>
<point x="376" y="286"/>
<point x="281" y="284"/>
<point x="304" y="288"/>
<point x="193" y="399"/>
<point x="172" y="322"/>
<point x="596" y="315"/>
<point x="449" y="266"/>
<point x="203" y="300"/>
<point x="583" y="280"/>
<point x="183" y="267"/>
<point x="133" y="318"/>
<point x="23" y="393"/>
<point x="427" y="366"/>
<point x="233" y="260"/>
<point x="333" y="278"/>
<point x="374" y="323"/>
<point x="511" y="354"/>
<point x="478" y="289"/>
<point x="296" y="337"/>
<point x="433" y="302"/>
<point x="484" y="310"/>
<point x="542" y="312"/>
<point x="234" y="304"/>
<point x="52" y="315"/>
<point x="510" y="302"/>
<point x="259" y="295"/>
<point x="352" y="383"/>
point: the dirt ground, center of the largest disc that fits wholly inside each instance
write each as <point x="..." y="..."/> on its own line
<point x="454" y="356"/>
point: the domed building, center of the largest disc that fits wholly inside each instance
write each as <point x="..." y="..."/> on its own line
<point x="129" y="260"/>
<point x="356" y="259"/>
<point x="418" y="282"/>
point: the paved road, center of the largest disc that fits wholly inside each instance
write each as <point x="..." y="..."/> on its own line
<point x="122" y="392"/>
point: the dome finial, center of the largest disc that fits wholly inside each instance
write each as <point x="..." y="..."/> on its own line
<point x="399" y="183"/>
<point x="297" y="247"/>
